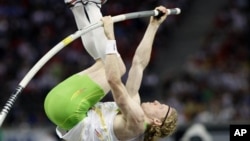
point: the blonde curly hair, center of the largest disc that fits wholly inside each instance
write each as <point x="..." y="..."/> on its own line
<point x="167" y="128"/>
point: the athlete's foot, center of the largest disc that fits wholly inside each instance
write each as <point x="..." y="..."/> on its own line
<point x="72" y="3"/>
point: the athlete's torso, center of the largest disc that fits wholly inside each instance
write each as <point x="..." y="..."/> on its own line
<point x="97" y="126"/>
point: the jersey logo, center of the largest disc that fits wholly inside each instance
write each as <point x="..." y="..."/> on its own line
<point x="76" y="93"/>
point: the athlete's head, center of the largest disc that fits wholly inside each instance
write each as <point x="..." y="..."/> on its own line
<point x="163" y="120"/>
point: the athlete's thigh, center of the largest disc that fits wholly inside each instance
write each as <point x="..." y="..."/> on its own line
<point x="97" y="74"/>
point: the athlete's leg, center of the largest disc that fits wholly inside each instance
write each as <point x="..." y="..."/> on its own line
<point x="97" y="73"/>
<point x="87" y="12"/>
<point x="68" y="102"/>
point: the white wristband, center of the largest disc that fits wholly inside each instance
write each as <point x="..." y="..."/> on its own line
<point x="111" y="47"/>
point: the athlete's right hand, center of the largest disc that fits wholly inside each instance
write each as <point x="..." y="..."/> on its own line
<point x="108" y="26"/>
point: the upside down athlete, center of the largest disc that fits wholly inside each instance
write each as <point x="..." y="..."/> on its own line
<point x="74" y="104"/>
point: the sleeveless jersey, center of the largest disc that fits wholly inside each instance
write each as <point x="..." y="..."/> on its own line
<point x="97" y="126"/>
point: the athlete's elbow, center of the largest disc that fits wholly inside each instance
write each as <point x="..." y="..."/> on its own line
<point x="112" y="76"/>
<point x="140" y="62"/>
<point x="113" y="79"/>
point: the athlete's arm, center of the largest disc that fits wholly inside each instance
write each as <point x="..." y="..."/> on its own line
<point x="142" y="55"/>
<point x="132" y="121"/>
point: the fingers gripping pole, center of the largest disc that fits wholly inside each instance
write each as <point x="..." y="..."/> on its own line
<point x="59" y="47"/>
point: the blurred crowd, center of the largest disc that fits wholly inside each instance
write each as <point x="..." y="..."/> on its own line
<point x="214" y="86"/>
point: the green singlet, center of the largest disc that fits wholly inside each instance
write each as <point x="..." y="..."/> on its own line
<point x="68" y="102"/>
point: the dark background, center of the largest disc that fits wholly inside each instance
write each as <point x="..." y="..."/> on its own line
<point x="199" y="65"/>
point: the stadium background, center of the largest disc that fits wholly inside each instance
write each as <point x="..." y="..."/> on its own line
<point x="200" y="62"/>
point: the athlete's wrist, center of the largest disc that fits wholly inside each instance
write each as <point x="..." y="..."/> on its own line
<point x="111" y="47"/>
